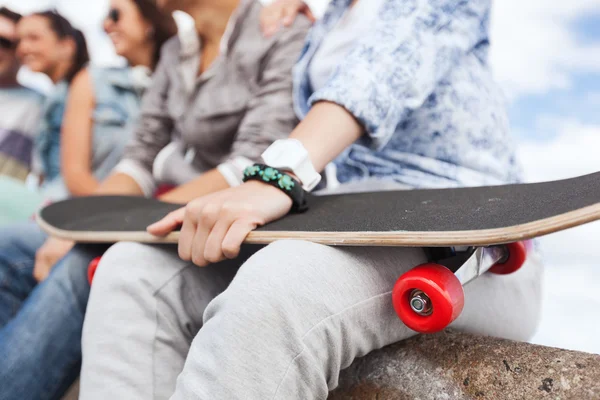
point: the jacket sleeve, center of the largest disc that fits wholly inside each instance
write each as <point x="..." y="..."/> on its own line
<point x="394" y="68"/>
<point x="270" y="115"/>
<point x="154" y="127"/>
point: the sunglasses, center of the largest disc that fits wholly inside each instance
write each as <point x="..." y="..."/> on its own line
<point x="114" y="15"/>
<point x="7" y="44"/>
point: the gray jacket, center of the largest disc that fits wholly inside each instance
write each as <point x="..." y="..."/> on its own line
<point x="226" y="117"/>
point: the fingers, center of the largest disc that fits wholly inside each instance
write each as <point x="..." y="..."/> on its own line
<point x="281" y="13"/>
<point x="232" y="242"/>
<point x="213" y="232"/>
<point x="188" y="229"/>
<point x="168" y="224"/>
<point x="51" y="252"/>
<point x="234" y="223"/>
<point x="289" y="13"/>
<point x="270" y="17"/>
<point x="309" y="14"/>
<point x="41" y="269"/>
<point x="213" y="251"/>
<point x="214" y="227"/>
<point x="40" y="274"/>
<point x="208" y="218"/>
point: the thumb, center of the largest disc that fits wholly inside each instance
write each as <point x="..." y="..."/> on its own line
<point x="40" y="271"/>
<point x="289" y="14"/>
<point x="309" y="14"/>
<point x="168" y="224"/>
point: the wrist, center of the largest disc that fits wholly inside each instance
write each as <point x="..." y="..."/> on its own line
<point x="279" y="180"/>
<point x="270" y="191"/>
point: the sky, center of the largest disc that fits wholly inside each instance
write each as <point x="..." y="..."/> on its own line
<point x="546" y="57"/>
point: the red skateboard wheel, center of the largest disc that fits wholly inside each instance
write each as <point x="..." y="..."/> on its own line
<point x="93" y="265"/>
<point x="517" y="254"/>
<point x="434" y="287"/>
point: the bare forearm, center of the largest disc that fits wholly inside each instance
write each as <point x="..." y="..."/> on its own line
<point x="326" y="131"/>
<point x="81" y="184"/>
<point x="209" y="182"/>
<point x="119" y="184"/>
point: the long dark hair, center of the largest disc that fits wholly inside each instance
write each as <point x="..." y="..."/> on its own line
<point x="163" y="23"/>
<point x="13" y="16"/>
<point x="63" y="29"/>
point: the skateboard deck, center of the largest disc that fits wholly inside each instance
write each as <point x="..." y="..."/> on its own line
<point x="475" y="216"/>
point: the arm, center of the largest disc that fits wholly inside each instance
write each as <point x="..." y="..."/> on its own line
<point x="119" y="184"/>
<point x="390" y="72"/>
<point x="270" y="116"/>
<point x="209" y="182"/>
<point x="133" y="175"/>
<point x="326" y="132"/>
<point x="397" y="65"/>
<point x="76" y="137"/>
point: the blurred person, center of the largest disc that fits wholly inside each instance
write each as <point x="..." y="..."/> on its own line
<point x="220" y="95"/>
<point x="102" y="107"/>
<point x="20" y="108"/>
<point x="397" y="94"/>
<point x="47" y="44"/>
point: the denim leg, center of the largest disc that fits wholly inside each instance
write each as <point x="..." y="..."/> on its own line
<point x="18" y="245"/>
<point x="40" y="348"/>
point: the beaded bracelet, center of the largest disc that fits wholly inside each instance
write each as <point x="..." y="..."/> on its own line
<point x="280" y="180"/>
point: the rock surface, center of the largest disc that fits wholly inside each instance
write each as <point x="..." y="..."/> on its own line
<point x="456" y="366"/>
<point x="452" y="365"/>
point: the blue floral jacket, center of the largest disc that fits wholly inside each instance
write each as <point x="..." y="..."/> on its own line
<point x="420" y="84"/>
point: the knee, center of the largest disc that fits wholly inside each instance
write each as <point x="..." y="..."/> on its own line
<point x="134" y="265"/>
<point x="120" y="264"/>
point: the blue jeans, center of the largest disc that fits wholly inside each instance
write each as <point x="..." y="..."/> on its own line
<point x="40" y="324"/>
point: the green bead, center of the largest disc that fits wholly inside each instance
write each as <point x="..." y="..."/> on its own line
<point x="270" y="174"/>
<point x="252" y="170"/>
<point x="286" y="182"/>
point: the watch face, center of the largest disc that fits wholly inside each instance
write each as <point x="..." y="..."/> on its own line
<point x="285" y="154"/>
<point x="291" y="156"/>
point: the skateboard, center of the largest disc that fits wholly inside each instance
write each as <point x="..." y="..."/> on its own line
<point x="466" y="231"/>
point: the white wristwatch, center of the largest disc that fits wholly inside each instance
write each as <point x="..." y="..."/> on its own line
<point x="290" y="155"/>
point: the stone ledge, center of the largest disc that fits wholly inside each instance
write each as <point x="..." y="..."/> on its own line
<point x="454" y="366"/>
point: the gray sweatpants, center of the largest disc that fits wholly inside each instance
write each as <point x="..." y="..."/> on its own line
<point x="282" y="326"/>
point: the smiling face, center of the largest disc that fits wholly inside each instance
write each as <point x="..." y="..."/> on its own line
<point x="9" y="63"/>
<point x="39" y="47"/>
<point x="126" y="27"/>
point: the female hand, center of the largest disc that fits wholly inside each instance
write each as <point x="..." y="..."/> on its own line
<point x="48" y="255"/>
<point x="282" y="12"/>
<point x="215" y="226"/>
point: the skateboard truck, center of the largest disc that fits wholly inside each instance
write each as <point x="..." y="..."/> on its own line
<point x="430" y="296"/>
